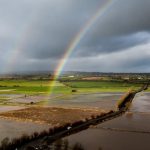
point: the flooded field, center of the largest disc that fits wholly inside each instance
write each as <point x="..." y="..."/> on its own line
<point x="99" y="100"/>
<point x="96" y="100"/>
<point x="141" y="103"/>
<point x="13" y="128"/>
<point x="124" y="133"/>
<point x="10" y="108"/>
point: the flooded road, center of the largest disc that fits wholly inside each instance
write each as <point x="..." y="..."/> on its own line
<point x="128" y="132"/>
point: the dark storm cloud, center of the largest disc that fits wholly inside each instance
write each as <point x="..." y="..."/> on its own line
<point x="125" y="17"/>
<point x="117" y="30"/>
<point x="110" y="45"/>
<point x="41" y="31"/>
<point x="57" y="27"/>
<point x="131" y="60"/>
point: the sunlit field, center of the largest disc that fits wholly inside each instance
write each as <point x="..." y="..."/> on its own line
<point x="27" y="86"/>
<point x="44" y="92"/>
<point x="102" y="86"/>
<point x="41" y="86"/>
<point x="11" y="89"/>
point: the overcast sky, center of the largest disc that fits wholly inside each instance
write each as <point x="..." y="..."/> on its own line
<point x="34" y="35"/>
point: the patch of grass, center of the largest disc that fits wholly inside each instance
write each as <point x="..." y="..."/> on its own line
<point x="35" y="87"/>
<point x="30" y="87"/>
<point x="15" y="83"/>
<point x="101" y="86"/>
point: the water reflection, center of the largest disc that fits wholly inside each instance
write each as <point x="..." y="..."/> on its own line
<point x="133" y="129"/>
<point x="65" y="145"/>
<point x="100" y="100"/>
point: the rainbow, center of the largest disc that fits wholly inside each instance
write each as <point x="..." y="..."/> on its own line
<point x="76" y="40"/>
<point x="71" y="47"/>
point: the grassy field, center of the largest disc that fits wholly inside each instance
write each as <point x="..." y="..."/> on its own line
<point x="101" y="86"/>
<point x="39" y="86"/>
<point x="29" y="87"/>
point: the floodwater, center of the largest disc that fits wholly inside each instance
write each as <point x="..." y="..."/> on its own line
<point x="141" y="103"/>
<point x="104" y="101"/>
<point x="10" y="108"/>
<point x="128" y="132"/>
<point x="13" y="129"/>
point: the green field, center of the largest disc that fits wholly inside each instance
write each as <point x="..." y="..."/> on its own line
<point x="101" y="86"/>
<point x="29" y="86"/>
<point x="40" y="86"/>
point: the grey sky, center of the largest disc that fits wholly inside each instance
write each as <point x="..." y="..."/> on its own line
<point x="35" y="34"/>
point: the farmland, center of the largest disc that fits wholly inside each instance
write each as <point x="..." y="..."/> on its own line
<point x="43" y="86"/>
<point x="40" y="102"/>
<point x="24" y="91"/>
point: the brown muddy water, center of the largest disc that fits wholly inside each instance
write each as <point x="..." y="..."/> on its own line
<point x="104" y="101"/>
<point x="128" y="132"/>
<point x="99" y="100"/>
<point x="13" y="129"/>
<point x="10" y="108"/>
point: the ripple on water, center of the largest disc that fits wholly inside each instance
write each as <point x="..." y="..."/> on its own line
<point x="123" y="133"/>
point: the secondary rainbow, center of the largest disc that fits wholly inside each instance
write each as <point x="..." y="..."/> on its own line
<point x="76" y="40"/>
<point x="22" y="37"/>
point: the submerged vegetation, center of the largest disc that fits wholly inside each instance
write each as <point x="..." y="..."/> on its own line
<point x="13" y="144"/>
<point x="121" y="101"/>
<point x="51" y="115"/>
